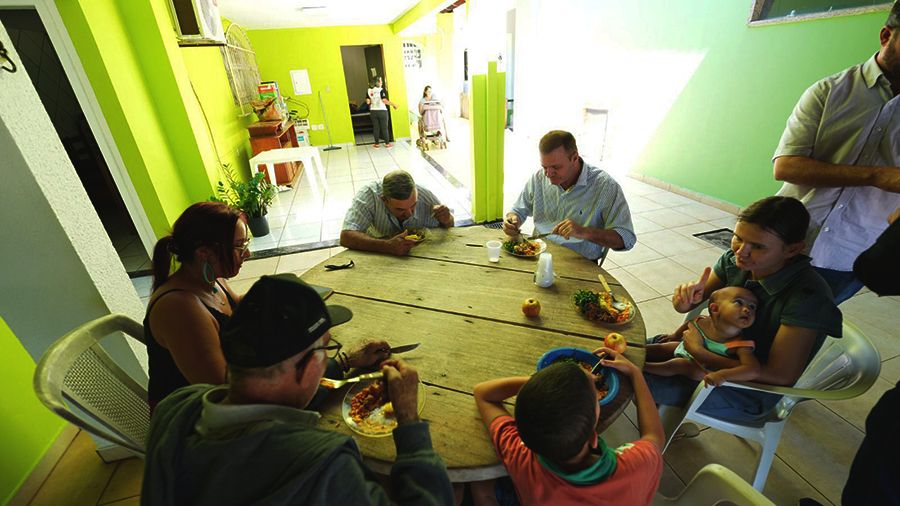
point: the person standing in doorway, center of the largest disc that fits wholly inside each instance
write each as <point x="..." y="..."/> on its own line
<point x="378" y="102"/>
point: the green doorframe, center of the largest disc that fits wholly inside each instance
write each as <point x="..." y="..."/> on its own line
<point x="487" y="116"/>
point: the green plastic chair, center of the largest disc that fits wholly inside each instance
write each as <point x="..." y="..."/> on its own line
<point x="713" y="485"/>
<point x="76" y="371"/>
<point x="844" y="368"/>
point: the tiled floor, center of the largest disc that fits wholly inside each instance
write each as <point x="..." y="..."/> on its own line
<point x="818" y="443"/>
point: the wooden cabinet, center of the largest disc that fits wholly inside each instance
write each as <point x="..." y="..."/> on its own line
<point x="266" y="135"/>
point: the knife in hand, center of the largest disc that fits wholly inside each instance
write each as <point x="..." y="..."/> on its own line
<point x="539" y="236"/>
<point x="401" y="349"/>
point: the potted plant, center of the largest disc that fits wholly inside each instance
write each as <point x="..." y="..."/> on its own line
<point x="253" y="198"/>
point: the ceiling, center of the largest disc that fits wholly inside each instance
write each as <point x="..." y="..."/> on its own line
<point x="261" y="14"/>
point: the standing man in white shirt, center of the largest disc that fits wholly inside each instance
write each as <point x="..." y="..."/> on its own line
<point x="839" y="155"/>
<point x="378" y="102"/>
<point x="581" y="204"/>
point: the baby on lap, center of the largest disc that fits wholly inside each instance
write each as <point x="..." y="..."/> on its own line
<point x="731" y="309"/>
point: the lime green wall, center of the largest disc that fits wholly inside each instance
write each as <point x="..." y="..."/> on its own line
<point x="719" y="135"/>
<point x="27" y="428"/>
<point x="143" y="85"/>
<point x="319" y="51"/>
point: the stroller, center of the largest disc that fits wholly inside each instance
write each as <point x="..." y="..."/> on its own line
<point x="434" y="127"/>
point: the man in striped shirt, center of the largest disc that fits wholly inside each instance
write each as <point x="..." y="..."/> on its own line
<point x="583" y="206"/>
<point x="383" y="213"/>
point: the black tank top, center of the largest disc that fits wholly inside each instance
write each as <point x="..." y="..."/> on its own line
<point x="165" y="377"/>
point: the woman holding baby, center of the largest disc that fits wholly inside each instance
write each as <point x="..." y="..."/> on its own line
<point x="792" y="314"/>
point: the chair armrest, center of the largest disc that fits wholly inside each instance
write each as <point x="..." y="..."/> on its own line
<point x="829" y="395"/>
<point x="715" y="483"/>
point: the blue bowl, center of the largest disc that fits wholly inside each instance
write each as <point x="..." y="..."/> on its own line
<point x="609" y="375"/>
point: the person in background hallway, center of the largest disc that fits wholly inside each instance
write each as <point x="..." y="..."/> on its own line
<point x="377" y="99"/>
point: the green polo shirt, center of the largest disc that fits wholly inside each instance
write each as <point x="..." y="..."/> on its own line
<point x="795" y="295"/>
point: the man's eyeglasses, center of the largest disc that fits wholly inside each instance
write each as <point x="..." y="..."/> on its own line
<point x="331" y="350"/>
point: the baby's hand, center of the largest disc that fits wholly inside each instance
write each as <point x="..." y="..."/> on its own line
<point x="713" y="379"/>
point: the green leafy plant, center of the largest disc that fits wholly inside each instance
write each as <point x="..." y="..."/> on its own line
<point x="253" y="197"/>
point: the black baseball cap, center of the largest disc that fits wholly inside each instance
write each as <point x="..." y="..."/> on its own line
<point x="279" y="317"/>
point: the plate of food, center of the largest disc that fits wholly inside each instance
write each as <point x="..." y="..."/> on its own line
<point x="417" y="234"/>
<point x="607" y="380"/>
<point x="368" y="411"/>
<point x="528" y="249"/>
<point x="600" y="307"/>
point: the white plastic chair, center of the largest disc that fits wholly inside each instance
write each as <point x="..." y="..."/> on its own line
<point x="842" y="369"/>
<point x="713" y="485"/>
<point x="78" y="371"/>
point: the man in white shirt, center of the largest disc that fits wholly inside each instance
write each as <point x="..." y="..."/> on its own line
<point x="839" y="155"/>
<point x="377" y="99"/>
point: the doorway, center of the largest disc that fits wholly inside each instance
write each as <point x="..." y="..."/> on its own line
<point x="41" y="61"/>
<point x="362" y="64"/>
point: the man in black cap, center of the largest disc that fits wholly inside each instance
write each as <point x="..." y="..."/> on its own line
<point x="252" y="441"/>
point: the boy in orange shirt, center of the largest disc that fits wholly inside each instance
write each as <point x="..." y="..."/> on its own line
<point x="552" y="450"/>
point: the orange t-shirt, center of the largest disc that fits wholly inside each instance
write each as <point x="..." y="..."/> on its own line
<point x="638" y="468"/>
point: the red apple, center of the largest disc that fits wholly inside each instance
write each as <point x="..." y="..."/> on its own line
<point x="616" y="342"/>
<point x="531" y="307"/>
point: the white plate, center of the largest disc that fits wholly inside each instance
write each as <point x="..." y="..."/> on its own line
<point x="377" y="423"/>
<point x="542" y="247"/>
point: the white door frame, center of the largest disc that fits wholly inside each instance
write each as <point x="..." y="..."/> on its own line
<point x="65" y="50"/>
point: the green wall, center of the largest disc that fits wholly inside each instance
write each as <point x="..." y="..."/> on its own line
<point x="319" y="51"/>
<point x="27" y="428"/>
<point x="142" y="80"/>
<point x="719" y="136"/>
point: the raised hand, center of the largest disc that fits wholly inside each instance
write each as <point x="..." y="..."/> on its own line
<point x="403" y="389"/>
<point x="568" y="229"/>
<point x="368" y="352"/>
<point x="511" y="225"/>
<point x="688" y="295"/>
<point x="617" y="361"/>
<point x="442" y="214"/>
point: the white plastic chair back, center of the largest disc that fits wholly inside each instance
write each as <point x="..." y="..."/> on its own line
<point x="77" y="371"/>
<point x="712" y="485"/>
<point x="843" y="368"/>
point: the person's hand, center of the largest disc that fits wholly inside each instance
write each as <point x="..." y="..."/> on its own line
<point x="394" y="106"/>
<point x="693" y="341"/>
<point x="713" y="379"/>
<point x="568" y="229"/>
<point x="688" y="295"/>
<point x="511" y="225"/>
<point x="442" y="214"/>
<point x="367" y="353"/>
<point x="668" y="338"/>
<point x="617" y="361"/>
<point x="399" y="245"/>
<point x="894" y="215"/>
<point x="403" y="389"/>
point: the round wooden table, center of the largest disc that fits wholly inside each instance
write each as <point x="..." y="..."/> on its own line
<point x="467" y="313"/>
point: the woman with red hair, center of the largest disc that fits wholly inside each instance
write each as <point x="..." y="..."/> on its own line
<point x="188" y="307"/>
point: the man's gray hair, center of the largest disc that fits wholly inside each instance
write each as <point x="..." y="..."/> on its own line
<point x="397" y="185"/>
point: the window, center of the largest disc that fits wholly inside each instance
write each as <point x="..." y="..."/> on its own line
<point x="764" y="12"/>
<point x="412" y="55"/>
<point x="241" y="68"/>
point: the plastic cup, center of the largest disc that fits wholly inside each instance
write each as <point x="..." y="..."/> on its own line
<point x="493" y="248"/>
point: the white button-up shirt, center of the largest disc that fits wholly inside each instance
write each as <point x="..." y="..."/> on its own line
<point x="368" y="213"/>
<point x="595" y="200"/>
<point x="850" y="118"/>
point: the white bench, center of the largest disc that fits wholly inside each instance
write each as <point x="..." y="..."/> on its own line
<point x="305" y="154"/>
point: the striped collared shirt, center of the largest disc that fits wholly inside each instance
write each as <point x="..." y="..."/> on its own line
<point x="595" y="200"/>
<point x="369" y="214"/>
<point x="850" y="118"/>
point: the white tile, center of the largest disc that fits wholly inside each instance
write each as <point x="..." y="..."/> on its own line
<point x="637" y="289"/>
<point x="694" y="228"/>
<point x="662" y="275"/>
<point x="337" y="249"/>
<point x="669" y="218"/>
<point x="639" y="253"/>
<point x="640" y="204"/>
<point x="643" y="225"/>
<point x="143" y="285"/>
<point x="669" y="199"/>
<point x="133" y="263"/>
<point x="703" y="212"/>
<point x="242" y="285"/>
<point x="659" y="316"/>
<point x="301" y="261"/>
<point x="696" y="261"/>
<point x="671" y="243"/>
<point x="723" y="223"/>
<point x="304" y="231"/>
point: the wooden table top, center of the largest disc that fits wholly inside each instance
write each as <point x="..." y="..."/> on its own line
<point x="467" y="313"/>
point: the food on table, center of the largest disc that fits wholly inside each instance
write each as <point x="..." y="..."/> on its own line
<point x="616" y="342"/>
<point x="598" y="306"/>
<point x="602" y="387"/>
<point x="524" y="249"/>
<point x="531" y="307"/>
<point x="388" y="408"/>
<point x="369" y="400"/>
<point x="415" y="234"/>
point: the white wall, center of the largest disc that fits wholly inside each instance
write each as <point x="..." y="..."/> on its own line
<point x="59" y="267"/>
